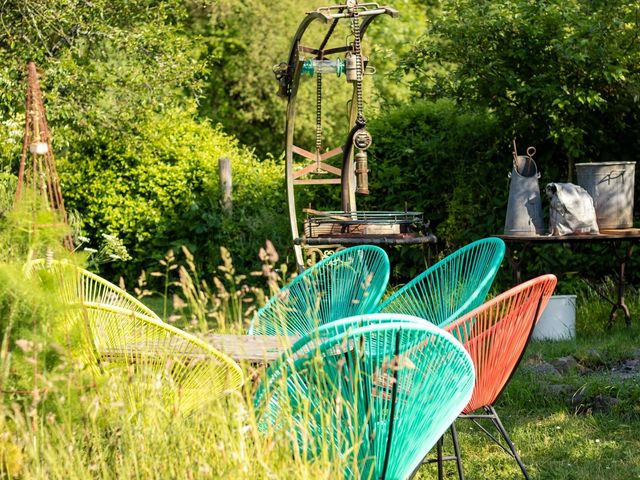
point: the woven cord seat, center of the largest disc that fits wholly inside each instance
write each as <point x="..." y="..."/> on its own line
<point x="377" y="396"/>
<point x="452" y="287"/>
<point x="107" y="329"/>
<point x="347" y="283"/>
<point x="496" y="335"/>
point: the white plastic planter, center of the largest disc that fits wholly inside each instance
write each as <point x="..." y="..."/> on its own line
<point x="558" y="320"/>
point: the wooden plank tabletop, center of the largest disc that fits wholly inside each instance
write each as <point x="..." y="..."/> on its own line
<point x="604" y="235"/>
<point x="258" y="349"/>
<point x="250" y="348"/>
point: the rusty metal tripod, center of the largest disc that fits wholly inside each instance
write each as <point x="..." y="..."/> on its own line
<point x="39" y="175"/>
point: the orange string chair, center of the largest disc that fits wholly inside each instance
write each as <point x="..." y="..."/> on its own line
<point x="496" y="335"/>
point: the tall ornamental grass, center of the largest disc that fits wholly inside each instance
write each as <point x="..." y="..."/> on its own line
<point x="57" y="420"/>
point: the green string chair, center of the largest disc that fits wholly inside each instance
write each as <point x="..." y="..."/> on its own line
<point x="496" y="335"/>
<point x="79" y="285"/>
<point x="157" y="360"/>
<point x="452" y="287"/>
<point x="376" y="397"/>
<point x="349" y="282"/>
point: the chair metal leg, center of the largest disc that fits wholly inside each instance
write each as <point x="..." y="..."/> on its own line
<point x="440" y="458"/>
<point x="496" y="421"/>
<point x="456" y="450"/>
<point x="440" y="461"/>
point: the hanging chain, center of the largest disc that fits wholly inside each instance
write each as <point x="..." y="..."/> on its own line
<point x="318" y="112"/>
<point x="357" y="51"/>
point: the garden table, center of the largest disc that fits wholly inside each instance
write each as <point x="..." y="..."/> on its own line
<point x="250" y="348"/>
<point x="255" y="349"/>
<point x="621" y="243"/>
<point x="262" y="349"/>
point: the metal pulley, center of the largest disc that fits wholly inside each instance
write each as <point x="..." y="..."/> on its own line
<point x="362" y="139"/>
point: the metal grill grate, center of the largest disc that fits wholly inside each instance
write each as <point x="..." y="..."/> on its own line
<point x="359" y="223"/>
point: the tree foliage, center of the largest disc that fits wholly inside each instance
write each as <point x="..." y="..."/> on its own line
<point x="244" y="40"/>
<point x="159" y="189"/>
<point x="561" y="72"/>
<point x="121" y="82"/>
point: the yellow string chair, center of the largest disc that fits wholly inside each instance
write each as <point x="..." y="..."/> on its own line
<point x="160" y="360"/>
<point x="105" y="327"/>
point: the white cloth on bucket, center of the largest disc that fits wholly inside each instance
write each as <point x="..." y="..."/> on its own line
<point x="571" y="210"/>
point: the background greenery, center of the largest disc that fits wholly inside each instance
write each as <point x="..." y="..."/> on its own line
<point x="143" y="98"/>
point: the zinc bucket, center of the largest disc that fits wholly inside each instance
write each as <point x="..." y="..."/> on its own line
<point x="611" y="185"/>
<point x="558" y="320"/>
<point x="524" y="209"/>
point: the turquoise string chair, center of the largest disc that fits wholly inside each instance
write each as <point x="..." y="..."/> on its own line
<point x="452" y="287"/>
<point x="78" y="285"/>
<point x="339" y="327"/>
<point x="157" y="360"/>
<point x="349" y="282"/>
<point x="376" y="397"/>
<point x="496" y="335"/>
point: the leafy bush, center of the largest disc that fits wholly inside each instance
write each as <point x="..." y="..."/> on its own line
<point x="120" y="94"/>
<point x="157" y="188"/>
<point x="449" y="163"/>
<point x="452" y="163"/>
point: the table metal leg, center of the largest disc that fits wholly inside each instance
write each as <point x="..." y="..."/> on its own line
<point x="517" y="262"/>
<point x="620" y="304"/>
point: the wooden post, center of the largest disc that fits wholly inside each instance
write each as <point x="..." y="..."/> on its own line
<point x="226" y="185"/>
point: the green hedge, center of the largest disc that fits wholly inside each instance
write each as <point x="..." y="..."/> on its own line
<point x="453" y="165"/>
<point x="436" y="158"/>
<point x="157" y="188"/>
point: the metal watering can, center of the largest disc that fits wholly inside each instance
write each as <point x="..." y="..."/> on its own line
<point x="524" y="208"/>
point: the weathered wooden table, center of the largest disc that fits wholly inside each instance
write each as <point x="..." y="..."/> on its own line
<point x="254" y="349"/>
<point x="627" y="238"/>
<point x="250" y="348"/>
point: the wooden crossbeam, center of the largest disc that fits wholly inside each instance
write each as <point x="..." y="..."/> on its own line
<point x="319" y="165"/>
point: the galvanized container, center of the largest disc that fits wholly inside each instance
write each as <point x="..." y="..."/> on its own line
<point x="611" y="185"/>
<point x="524" y="209"/>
